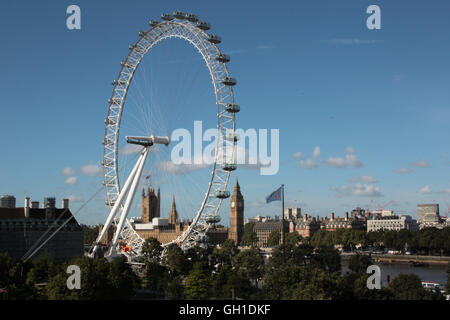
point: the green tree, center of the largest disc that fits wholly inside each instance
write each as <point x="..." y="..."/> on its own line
<point x="280" y="281"/>
<point x="327" y="258"/>
<point x="316" y="284"/>
<point x="175" y="260"/>
<point x="175" y="289"/>
<point x="156" y="277"/>
<point x="90" y="233"/>
<point x="198" y="283"/>
<point x="359" y="263"/>
<point x="251" y="263"/>
<point x="123" y="280"/>
<point x="293" y="239"/>
<point x="13" y="277"/>
<point x="198" y="254"/>
<point x="354" y="287"/>
<point x="151" y="250"/>
<point x="407" y="287"/>
<point x="274" y="238"/>
<point x="226" y="254"/>
<point x="100" y="280"/>
<point x="249" y="236"/>
<point x="229" y="281"/>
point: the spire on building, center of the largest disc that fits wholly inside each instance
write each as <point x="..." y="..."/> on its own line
<point x="173" y="216"/>
<point x="237" y="188"/>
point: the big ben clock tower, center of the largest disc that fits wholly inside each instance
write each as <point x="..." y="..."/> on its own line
<point x="236" y="215"/>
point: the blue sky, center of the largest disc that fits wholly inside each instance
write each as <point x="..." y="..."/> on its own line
<point x="375" y="102"/>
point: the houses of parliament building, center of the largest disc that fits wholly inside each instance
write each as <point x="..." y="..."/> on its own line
<point x="151" y="224"/>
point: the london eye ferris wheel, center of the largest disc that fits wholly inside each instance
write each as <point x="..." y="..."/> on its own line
<point x="162" y="86"/>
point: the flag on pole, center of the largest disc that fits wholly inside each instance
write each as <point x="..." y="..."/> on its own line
<point x="274" y="196"/>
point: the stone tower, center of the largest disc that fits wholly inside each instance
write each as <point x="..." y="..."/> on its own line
<point x="150" y="205"/>
<point x="236" y="215"/>
<point x="173" y="215"/>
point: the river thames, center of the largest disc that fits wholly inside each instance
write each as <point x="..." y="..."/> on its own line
<point x="428" y="273"/>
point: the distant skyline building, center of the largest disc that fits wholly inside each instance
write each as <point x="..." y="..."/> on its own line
<point x="7" y="201"/>
<point x="292" y="214"/>
<point x="305" y="227"/>
<point x="428" y="215"/>
<point x="392" y="223"/>
<point x="151" y="204"/>
<point x="263" y="230"/>
<point x="334" y="223"/>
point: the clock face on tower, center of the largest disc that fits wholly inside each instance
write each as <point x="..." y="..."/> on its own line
<point x="239" y="205"/>
<point x="232" y="204"/>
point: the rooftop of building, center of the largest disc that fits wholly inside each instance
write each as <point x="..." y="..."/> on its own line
<point x="34" y="214"/>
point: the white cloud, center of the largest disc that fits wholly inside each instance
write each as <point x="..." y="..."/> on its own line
<point x="92" y="170"/>
<point x="307" y="164"/>
<point x="403" y="170"/>
<point x="316" y="152"/>
<point x="425" y="190"/>
<point x="71" y="180"/>
<point x="68" y="171"/>
<point x="130" y="149"/>
<point x="336" y="162"/>
<point x="180" y="169"/>
<point x="297" y="155"/>
<point x="422" y="164"/>
<point x="349" y="150"/>
<point x="366" y="179"/>
<point x="350" y="160"/>
<point x="366" y="190"/>
<point x="357" y="189"/>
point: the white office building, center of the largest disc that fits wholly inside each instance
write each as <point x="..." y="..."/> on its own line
<point x="391" y="222"/>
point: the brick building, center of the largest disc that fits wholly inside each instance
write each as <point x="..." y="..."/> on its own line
<point x="21" y="228"/>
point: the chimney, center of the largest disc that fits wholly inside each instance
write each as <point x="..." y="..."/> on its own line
<point x="35" y="204"/>
<point x="49" y="205"/>
<point x="26" y="207"/>
<point x="305" y="217"/>
<point x="65" y="203"/>
<point x="332" y="216"/>
<point x="346" y="216"/>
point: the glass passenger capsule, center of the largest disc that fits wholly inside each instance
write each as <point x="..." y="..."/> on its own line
<point x="222" y="194"/>
<point x="153" y="23"/>
<point x="231" y="136"/>
<point x="143" y="34"/>
<point x="222" y="57"/>
<point x="191" y="17"/>
<point x="214" y="39"/>
<point x="213" y="219"/>
<point x="119" y="82"/>
<point x="229" y="166"/>
<point x="232" y="108"/>
<point x="203" y="25"/>
<point x="229" y="81"/>
<point x="167" y="16"/>
<point x="179" y="15"/>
